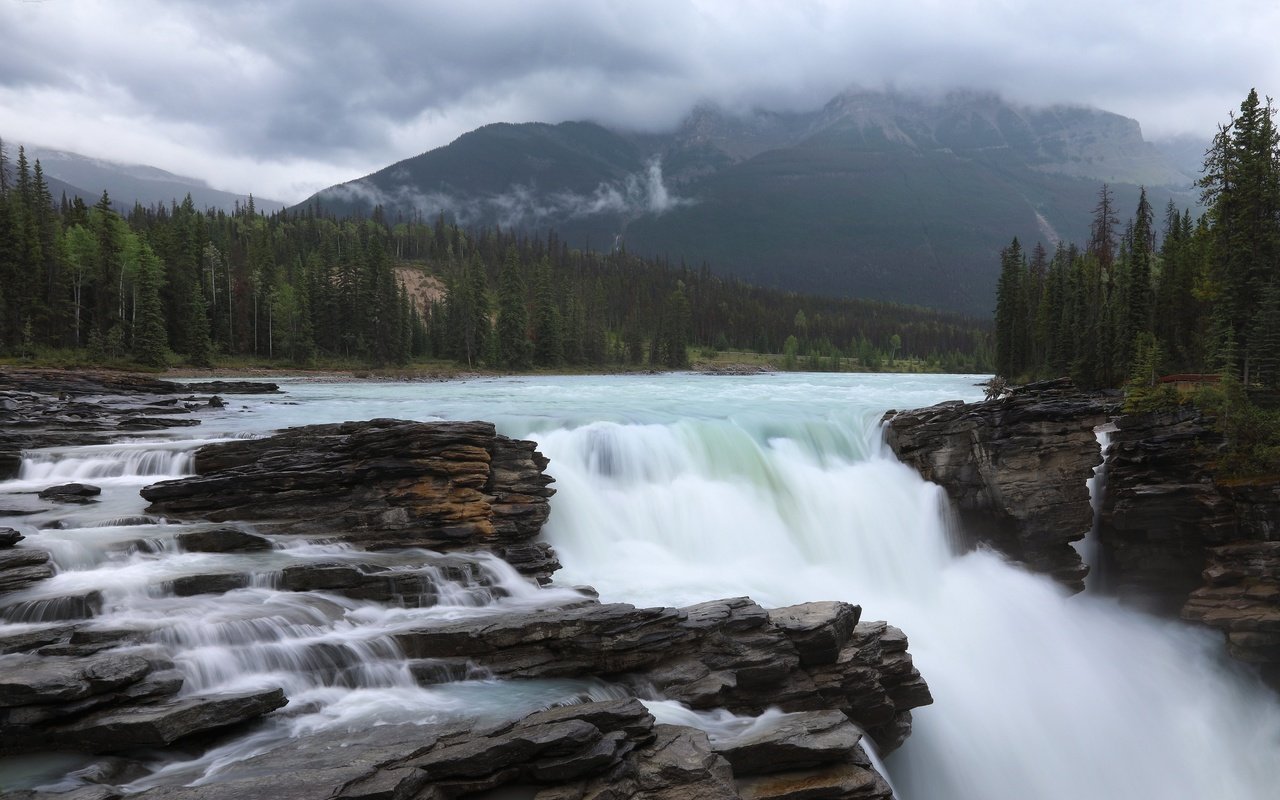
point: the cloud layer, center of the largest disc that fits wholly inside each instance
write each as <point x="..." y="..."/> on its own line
<point x="287" y="97"/>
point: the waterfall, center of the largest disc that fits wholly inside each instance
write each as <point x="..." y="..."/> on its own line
<point x="672" y="490"/>
<point x="1038" y="695"/>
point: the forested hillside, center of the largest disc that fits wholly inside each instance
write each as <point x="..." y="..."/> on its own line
<point x="1173" y="294"/>
<point x="1169" y="294"/>
<point x="171" y="284"/>
<point x="880" y="195"/>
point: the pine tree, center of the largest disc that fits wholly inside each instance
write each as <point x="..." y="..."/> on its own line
<point x="150" y="346"/>
<point x="1010" y="312"/>
<point x="548" y="335"/>
<point x="199" y="342"/>
<point x="513" y="316"/>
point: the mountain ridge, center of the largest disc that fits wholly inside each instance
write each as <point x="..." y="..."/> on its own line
<point x="881" y="195"/>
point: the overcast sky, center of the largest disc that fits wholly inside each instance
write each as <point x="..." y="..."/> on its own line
<point x="283" y="98"/>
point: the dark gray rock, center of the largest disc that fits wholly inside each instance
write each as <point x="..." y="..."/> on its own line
<point x="222" y="540"/>
<point x="797" y="741"/>
<point x="21" y="566"/>
<point x="9" y="537"/>
<point x="213" y="583"/>
<point x="1015" y="468"/>
<point x="160" y="724"/>
<point x="71" y="493"/>
<point x="26" y="680"/>
<point x="818" y="630"/>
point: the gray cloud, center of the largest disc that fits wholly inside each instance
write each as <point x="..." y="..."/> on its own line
<point x="284" y="98"/>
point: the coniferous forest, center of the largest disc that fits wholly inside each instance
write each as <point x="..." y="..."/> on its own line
<point x="176" y="285"/>
<point x="1166" y="293"/>
<point x="1196" y="301"/>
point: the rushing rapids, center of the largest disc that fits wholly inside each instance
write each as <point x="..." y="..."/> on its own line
<point x="675" y="490"/>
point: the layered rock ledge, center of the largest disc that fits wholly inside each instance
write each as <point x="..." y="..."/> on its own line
<point x="377" y="485"/>
<point x="1015" y="468"/>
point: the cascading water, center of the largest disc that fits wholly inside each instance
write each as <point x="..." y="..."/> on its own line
<point x="674" y="489"/>
<point x="335" y="657"/>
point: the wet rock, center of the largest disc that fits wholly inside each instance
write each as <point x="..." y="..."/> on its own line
<point x="9" y="537"/>
<point x="21" y="566"/>
<point x="796" y="741"/>
<point x="10" y="463"/>
<point x="818" y="630"/>
<point x="213" y="583"/>
<point x="378" y="484"/>
<point x="156" y="725"/>
<point x="230" y="387"/>
<point x="1177" y="539"/>
<point x="83" y="605"/>
<point x="28" y="640"/>
<point x="71" y="492"/>
<point x="145" y="423"/>
<point x="27" y="680"/>
<point x="723" y="654"/>
<point x="839" y="782"/>
<point x="1015" y="468"/>
<point x="417" y="584"/>
<point x="222" y="540"/>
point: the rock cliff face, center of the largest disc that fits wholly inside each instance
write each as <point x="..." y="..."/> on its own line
<point x="1172" y="538"/>
<point x="1180" y="541"/>
<point x="1014" y="467"/>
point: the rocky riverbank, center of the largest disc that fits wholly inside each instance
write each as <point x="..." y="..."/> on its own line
<point x="1173" y="538"/>
<point x="332" y="524"/>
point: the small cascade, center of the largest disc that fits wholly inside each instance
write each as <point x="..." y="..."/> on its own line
<point x="1090" y="548"/>
<point x="92" y="463"/>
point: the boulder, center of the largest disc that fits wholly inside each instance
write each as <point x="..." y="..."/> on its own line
<point x="71" y="492"/>
<point x="222" y="540"/>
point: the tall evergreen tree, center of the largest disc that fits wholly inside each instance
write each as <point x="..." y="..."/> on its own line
<point x="513" y="316"/>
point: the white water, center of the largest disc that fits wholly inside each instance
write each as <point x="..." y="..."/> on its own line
<point x="674" y="489"/>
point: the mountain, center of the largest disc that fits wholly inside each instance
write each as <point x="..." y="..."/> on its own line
<point x="131" y="183"/>
<point x="879" y="195"/>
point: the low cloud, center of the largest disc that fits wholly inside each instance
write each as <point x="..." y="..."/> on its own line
<point x="523" y="206"/>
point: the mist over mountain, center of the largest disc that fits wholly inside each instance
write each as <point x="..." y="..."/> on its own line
<point x="877" y="194"/>
<point x="127" y="184"/>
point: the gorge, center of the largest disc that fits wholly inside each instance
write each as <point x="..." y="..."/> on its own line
<point x="671" y="492"/>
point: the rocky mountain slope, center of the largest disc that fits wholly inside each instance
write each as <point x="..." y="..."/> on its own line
<point x="879" y="195"/>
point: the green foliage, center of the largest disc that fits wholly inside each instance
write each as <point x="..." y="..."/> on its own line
<point x="1206" y="299"/>
<point x="1252" y="432"/>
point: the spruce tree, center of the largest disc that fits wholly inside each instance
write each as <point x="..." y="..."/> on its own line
<point x="150" y="346"/>
<point x="513" y="316"/>
<point x="199" y="342"/>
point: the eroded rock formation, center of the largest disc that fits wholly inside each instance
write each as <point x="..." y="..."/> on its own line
<point x="377" y="485"/>
<point x="1015" y="468"/>
<point x="1179" y="540"/>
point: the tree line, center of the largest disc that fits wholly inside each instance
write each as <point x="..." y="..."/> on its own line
<point x="1171" y="295"/>
<point x="168" y="284"/>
